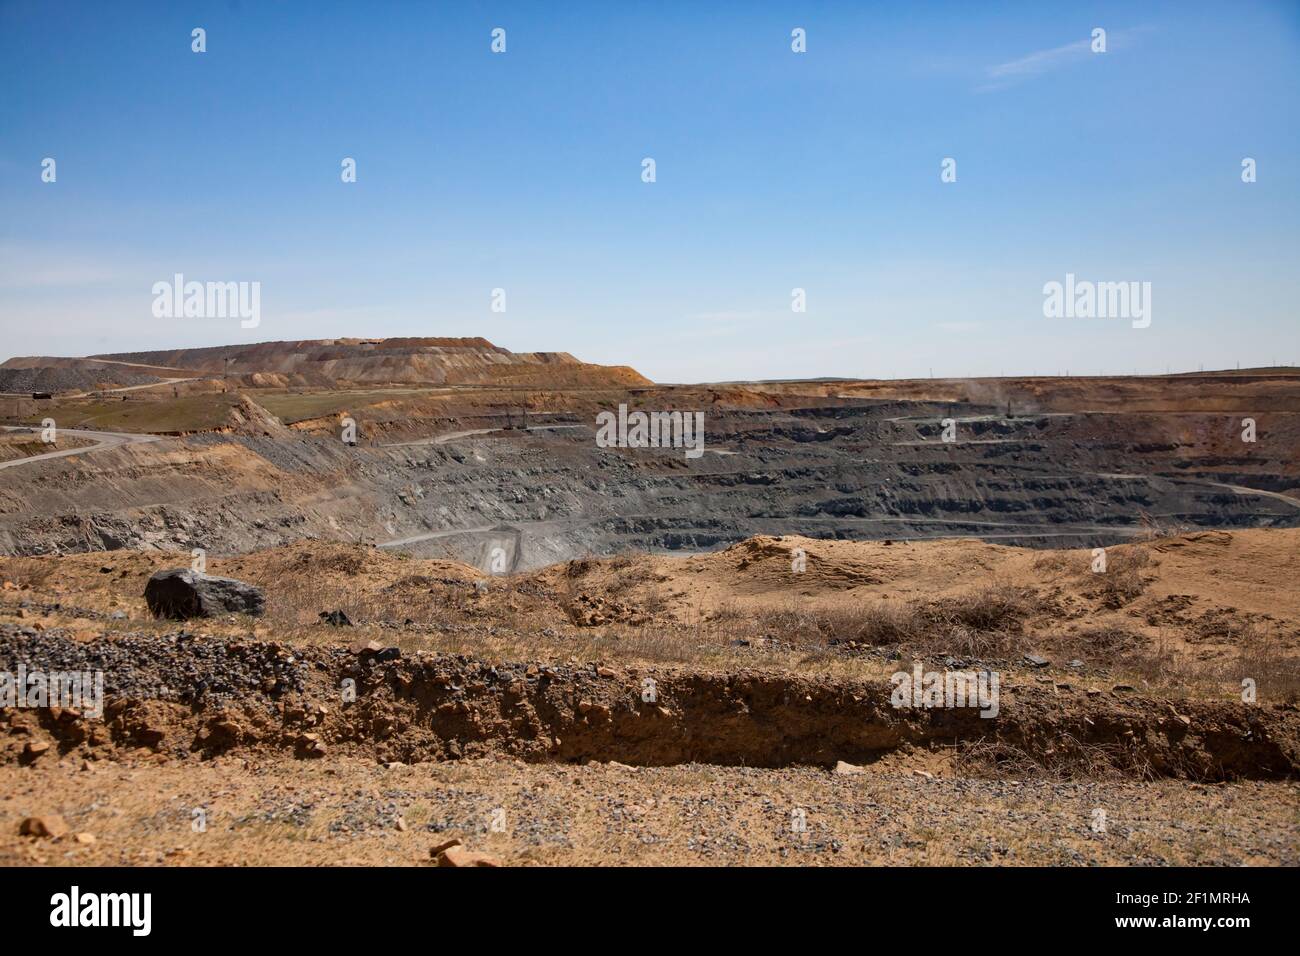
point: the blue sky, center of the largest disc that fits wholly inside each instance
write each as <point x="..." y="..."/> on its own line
<point x="775" y="170"/>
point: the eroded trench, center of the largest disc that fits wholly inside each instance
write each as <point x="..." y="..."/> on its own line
<point x="194" y="698"/>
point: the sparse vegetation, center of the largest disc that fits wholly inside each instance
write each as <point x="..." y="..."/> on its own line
<point x="983" y="622"/>
<point x="1122" y="581"/>
<point x="1067" y="759"/>
<point x="132" y="412"/>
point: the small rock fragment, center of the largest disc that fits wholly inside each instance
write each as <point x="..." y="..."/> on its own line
<point x="459" y="856"/>
<point x="438" y="848"/>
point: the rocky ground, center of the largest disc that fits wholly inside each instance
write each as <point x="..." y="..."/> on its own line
<point x="55" y="379"/>
<point x="438" y="473"/>
<point x="184" y="694"/>
<point x="485" y="629"/>
<point x="15" y="445"/>
<point x="352" y="812"/>
<point x="369" y="755"/>
<point x="1187" y="616"/>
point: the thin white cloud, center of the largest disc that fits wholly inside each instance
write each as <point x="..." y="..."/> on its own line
<point x="1041" y="61"/>
<point x="1002" y="75"/>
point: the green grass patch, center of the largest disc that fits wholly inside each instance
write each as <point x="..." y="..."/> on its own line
<point x="189" y="413"/>
<point x="292" y="407"/>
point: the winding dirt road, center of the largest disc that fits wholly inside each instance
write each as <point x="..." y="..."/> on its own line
<point x="103" y="440"/>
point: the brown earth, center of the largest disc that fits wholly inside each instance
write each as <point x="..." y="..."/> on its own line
<point x="736" y="759"/>
<point x="438" y="471"/>
<point x="15" y="445"/>
<point x="271" y="697"/>
<point x="738" y="766"/>
<point x="1192" y="614"/>
<point x="337" y="363"/>
<point x="284" y="812"/>
<point x="1161" y="691"/>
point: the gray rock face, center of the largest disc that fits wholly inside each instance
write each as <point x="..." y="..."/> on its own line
<point x="181" y="593"/>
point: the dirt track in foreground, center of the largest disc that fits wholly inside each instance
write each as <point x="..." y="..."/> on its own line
<point x="283" y="812"/>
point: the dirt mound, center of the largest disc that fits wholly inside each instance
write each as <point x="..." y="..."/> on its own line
<point x="770" y="571"/>
<point x="366" y="570"/>
<point x="1165" y="613"/>
<point x="1168" y="612"/>
<point x="250" y="418"/>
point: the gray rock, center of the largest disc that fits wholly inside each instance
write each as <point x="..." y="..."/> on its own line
<point x="181" y="593"/>
<point x="1033" y="660"/>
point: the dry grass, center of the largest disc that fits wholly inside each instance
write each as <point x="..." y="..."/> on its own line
<point x="1068" y="759"/>
<point x="1123" y="580"/>
<point x="989" y="621"/>
<point x="35" y="573"/>
<point x="1165" y="665"/>
<point x="441" y="607"/>
<point x="1105" y="644"/>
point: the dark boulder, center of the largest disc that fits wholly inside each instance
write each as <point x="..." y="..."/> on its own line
<point x="182" y="593"/>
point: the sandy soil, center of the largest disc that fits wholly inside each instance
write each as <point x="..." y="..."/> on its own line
<point x="354" y="813"/>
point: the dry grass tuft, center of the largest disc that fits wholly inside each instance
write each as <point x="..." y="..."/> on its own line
<point x="1067" y="759"/>
<point x="1122" y="582"/>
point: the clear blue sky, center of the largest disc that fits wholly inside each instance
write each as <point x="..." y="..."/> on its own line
<point x="775" y="170"/>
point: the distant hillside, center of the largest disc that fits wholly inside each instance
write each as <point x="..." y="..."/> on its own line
<point x="47" y="378"/>
<point x="403" y="361"/>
